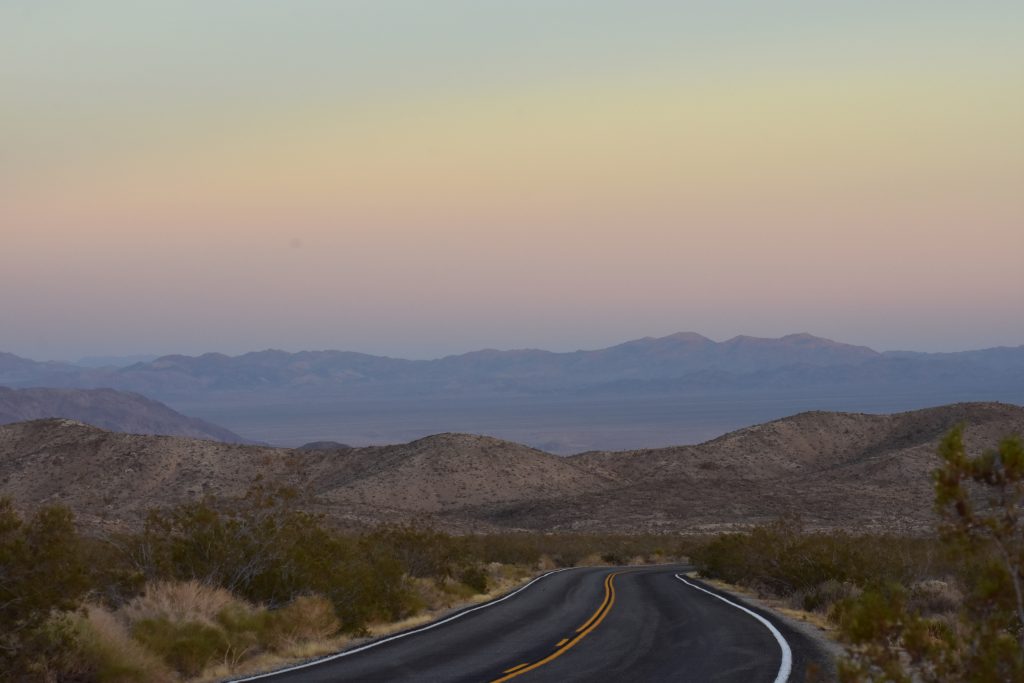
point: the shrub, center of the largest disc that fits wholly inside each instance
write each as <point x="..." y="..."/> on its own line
<point x="782" y="560"/>
<point x="423" y="553"/>
<point x="179" y="601"/>
<point x="475" y="578"/>
<point x="265" y="550"/>
<point x="187" y="646"/>
<point x="980" y="499"/>
<point x="824" y="595"/>
<point x="41" y="571"/>
<point x="307" y="618"/>
<point x="106" y="652"/>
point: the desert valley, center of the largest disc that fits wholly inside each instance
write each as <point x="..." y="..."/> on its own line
<point x="454" y="341"/>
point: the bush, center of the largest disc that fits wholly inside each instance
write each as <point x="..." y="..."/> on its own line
<point x="187" y="646"/>
<point x="265" y="550"/>
<point x="307" y="618"/>
<point x="475" y="578"/>
<point x="179" y="601"/>
<point x="980" y="499"/>
<point x="41" y="571"/>
<point x="106" y="652"/>
<point x="782" y="560"/>
<point x="191" y="626"/>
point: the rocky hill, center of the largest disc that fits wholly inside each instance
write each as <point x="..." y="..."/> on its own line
<point x="116" y="411"/>
<point x="834" y="470"/>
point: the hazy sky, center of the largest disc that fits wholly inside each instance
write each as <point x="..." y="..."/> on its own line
<point x="419" y="178"/>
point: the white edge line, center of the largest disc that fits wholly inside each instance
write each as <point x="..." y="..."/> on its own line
<point x="787" y="655"/>
<point x="403" y="634"/>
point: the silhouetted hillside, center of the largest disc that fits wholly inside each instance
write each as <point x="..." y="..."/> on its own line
<point x="116" y="411"/>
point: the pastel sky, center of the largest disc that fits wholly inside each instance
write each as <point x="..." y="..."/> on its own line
<point x="421" y="178"/>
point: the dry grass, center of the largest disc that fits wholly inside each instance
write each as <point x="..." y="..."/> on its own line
<point x="179" y="602"/>
<point x="269" y="661"/>
<point x="306" y="619"/>
<point x="504" y="578"/>
<point x="936" y="597"/>
<point x="257" y="640"/>
<point x="593" y="560"/>
<point x="108" y="653"/>
<point x="816" y="619"/>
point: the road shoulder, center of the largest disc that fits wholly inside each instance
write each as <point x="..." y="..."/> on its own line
<point x="812" y="626"/>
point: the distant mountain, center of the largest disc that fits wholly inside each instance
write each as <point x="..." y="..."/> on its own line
<point x="677" y="362"/>
<point x="645" y="392"/>
<point x="114" y="361"/>
<point x="108" y="409"/>
<point x="833" y="470"/>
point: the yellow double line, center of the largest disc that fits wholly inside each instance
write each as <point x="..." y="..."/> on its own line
<point x="582" y="632"/>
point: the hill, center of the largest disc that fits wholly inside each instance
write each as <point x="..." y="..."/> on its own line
<point x="116" y="411"/>
<point x="834" y="470"/>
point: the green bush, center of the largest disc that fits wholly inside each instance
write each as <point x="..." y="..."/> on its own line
<point x="475" y="578"/>
<point x="41" y="571"/>
<point x="267" y="551"/>
<point x="782" y="560"/>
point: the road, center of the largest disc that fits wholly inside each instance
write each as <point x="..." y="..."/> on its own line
<point x="594" y="624"/>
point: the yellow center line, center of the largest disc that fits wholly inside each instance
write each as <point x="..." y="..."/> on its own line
<point x="515" y="668"/>
<point x="586" y="623"/>
<point x="560" y="643"/>
<point x="582" y="632"/>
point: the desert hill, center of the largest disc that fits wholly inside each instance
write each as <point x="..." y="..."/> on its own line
<point x="110" y="480"/>
<point x="834" y="470"/>
<point x="116" y="411"/>
<point x="453" y="471"/>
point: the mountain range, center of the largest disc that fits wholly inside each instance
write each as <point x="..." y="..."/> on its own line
<point x="834" y="470"/>
<point x="646" y="392"/>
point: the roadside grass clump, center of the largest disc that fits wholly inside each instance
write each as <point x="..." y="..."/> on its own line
<point x="192" y="627"/>
<point x="187" y="646"/>
<point x="90" y="645"/>
<point x="179" y="601"/>
<point x="307" y="618"/>
<point x="115" y="655"/>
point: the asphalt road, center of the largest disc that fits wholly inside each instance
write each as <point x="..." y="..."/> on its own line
<point x="594" y="624"/>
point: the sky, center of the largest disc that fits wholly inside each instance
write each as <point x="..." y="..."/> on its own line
<point x="423" y="178"/>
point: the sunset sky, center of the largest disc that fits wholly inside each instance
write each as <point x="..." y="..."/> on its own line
<point x="422" y="178"/>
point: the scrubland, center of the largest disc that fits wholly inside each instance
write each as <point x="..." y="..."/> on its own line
<point x="220" y="587"/>
<point x="223" y="586"/>
<point x="943" y="607"/>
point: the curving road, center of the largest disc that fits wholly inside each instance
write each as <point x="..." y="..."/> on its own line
<point x="591" y="623"/>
